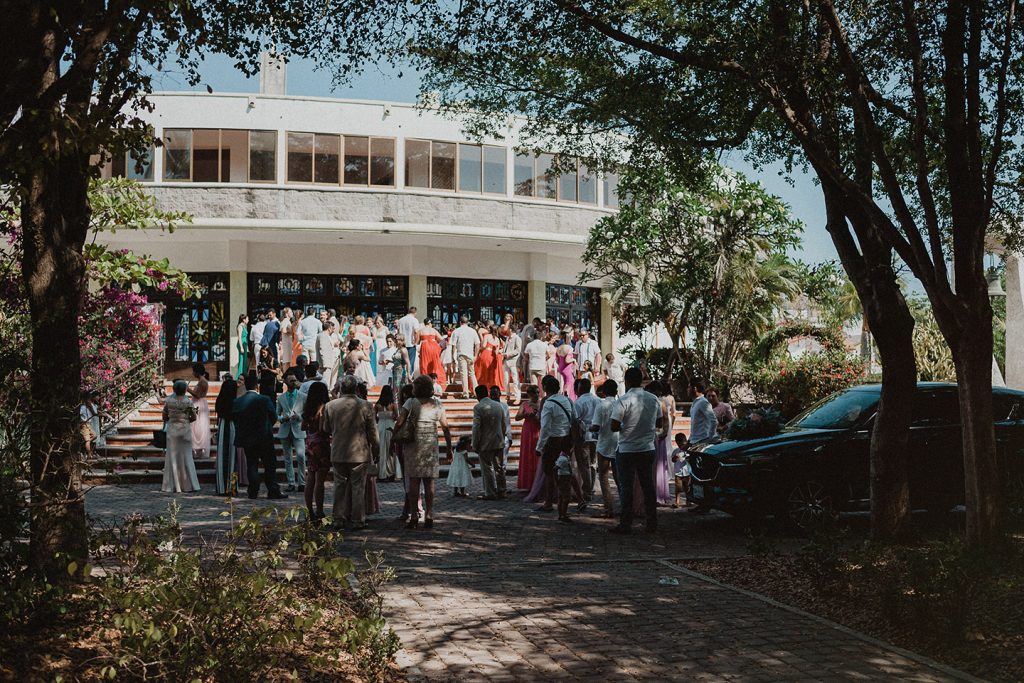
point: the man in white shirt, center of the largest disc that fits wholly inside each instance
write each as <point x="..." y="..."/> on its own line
<point x="256" y="334"/>
<point x="607" y="443"/>
<point x="409" y="327"/>
<point x="309" y="328"/>
<point x="586" y="451"/>
<point x="588" y="349"/>
<point x="703" y="423"/>
<point x="465" y="343"/>
<point x="616" y="370"/>
<point x="513" y="351"/>
<point x="556" y="418"/>
<point x="536" y="359"/>
<point x="637" y="417"/>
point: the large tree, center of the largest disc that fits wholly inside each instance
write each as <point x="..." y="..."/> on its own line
<point x="732" y="237"/>
<point x="75" y="74"/>
<point x="907" y="112"/>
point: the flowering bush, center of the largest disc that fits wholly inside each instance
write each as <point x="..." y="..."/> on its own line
<point x="793" y="384"/>
<point x="117" y="331"/>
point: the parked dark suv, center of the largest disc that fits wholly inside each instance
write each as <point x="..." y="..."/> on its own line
<point x="819" y="464"/>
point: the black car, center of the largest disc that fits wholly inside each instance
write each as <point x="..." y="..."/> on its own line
<point x="819" y="464"/>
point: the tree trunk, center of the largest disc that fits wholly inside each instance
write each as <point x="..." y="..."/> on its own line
<point x="982" y="481"/>
<point x="893" y="329"/>
<point x="869" y="266"/>
<point x="55" y="219"/>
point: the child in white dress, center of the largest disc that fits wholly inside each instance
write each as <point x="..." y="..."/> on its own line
<point x="460" y="474"/>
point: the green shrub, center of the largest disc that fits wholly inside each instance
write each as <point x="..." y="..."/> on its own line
<point x="240" y="609"/>
<point x="794" y="384"/>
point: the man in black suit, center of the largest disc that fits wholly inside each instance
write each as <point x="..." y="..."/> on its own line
<point x="254" y="416"/>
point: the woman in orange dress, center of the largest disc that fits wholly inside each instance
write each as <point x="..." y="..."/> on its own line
<point x="296" y="337"/>
<point x="430" y="353"/>
<point x="489" y="365"/>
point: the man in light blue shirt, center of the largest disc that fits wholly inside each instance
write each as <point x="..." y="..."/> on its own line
<point x="637" y="417"/>
<point x="703" y="423"/>
<point x="586" y="452"/>
<point x="309" y="328"/>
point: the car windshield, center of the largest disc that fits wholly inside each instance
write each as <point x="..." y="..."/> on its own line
<point x="840" y="411"/>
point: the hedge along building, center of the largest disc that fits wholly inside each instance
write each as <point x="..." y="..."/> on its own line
<point x="363" y="207"/>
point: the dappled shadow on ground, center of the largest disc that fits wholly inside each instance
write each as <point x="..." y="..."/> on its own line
<point x="497" y="591"/>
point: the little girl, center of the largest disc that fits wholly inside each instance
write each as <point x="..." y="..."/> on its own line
<point x="460" y="474"/>
<point x="587" y="371"/>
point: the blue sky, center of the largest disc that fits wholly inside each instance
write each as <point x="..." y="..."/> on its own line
<point x="384" y="84"/>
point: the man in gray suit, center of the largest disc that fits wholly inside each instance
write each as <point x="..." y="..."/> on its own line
<point x="354" y="447"/>
<point x="489" y="444"/>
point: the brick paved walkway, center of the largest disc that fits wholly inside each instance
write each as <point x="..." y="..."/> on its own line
<point x="497" y="592"/>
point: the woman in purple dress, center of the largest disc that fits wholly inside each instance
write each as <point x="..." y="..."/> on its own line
<point x="662" y="474"/>
<point x="566" y="367"/>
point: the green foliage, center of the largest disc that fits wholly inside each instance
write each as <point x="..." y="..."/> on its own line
<point x="934" y="587"/>
<point x="756" y="424"/>
<point x="831" y="291"/>
<point x="793" y="384"/>
<point x="240" y="609"/>
<point x="702" y="253"/>
<point x="773" y="345"/>
<point x="934" y="359"/>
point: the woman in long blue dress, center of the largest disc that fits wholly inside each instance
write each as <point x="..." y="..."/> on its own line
<point x="227" y="483"/>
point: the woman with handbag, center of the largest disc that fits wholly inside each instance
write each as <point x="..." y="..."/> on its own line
<point x="179" y="469"/>
<point x="422" y="415"/>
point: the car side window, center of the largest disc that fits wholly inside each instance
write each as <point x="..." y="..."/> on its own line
<point x="936" y="409"/>
<point x="1007" y="408"/>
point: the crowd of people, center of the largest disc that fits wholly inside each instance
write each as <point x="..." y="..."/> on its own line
<point x="488" y="353"/>
<point x="586" y="419"/>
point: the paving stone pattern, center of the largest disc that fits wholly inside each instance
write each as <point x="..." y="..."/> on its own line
<point x="498" y="592"/>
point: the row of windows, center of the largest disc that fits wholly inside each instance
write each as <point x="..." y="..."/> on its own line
<point x="212" y="155"/>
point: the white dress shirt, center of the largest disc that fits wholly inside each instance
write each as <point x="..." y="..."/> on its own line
<point x="407" y="326"/>
<point x="703" y="423"/>
<point x="465" y="340"/>
<point x="554" y="421"/>
<point x="637" y="412"/>
<point x="589" y="350"/>
<point x="537" y="353"/>
<point x="585" y="407"/>
<point x="607" y="440"/>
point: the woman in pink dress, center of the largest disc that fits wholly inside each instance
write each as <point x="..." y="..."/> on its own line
<point x="566" y="368"/>
<point x="528" y="460"/>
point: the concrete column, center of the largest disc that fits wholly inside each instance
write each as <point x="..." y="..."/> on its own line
<point x="1014" y="322"/>
<point x="537" y="299"/>
<point x="609" y="332"/>
<point x="418" y="294"/>
<point x="238" y="303"/>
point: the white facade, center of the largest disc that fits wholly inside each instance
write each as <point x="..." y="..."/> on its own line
<point x="281" y="226"/>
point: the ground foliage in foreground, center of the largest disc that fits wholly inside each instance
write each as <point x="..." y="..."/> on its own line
<point x="273" y="600"/>
<point x="936" y="597"/>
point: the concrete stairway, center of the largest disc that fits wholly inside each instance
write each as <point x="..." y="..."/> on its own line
<point x="130" y="456"/>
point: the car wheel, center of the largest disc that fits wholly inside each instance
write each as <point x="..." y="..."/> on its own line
<point x="810" y="505"/>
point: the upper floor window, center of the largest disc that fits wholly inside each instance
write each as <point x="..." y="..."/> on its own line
<point x="215" y="155"/>
<point x="481" y="168"/>
<point x="340" y="159"/>
<point x="547" y="176"/>
<point x="611" y="190"/>
<point x="465" y="167"/>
